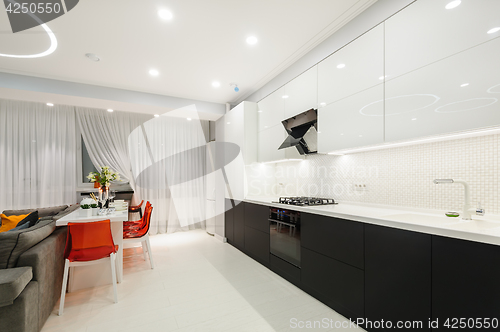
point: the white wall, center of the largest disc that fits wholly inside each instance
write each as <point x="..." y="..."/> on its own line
<point x="397" y="176"/>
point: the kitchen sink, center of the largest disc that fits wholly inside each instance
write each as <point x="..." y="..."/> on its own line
<point x="476" y="225"/>
<point x="423" y="219"/>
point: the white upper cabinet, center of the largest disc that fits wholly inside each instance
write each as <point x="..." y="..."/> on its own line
<point x="271" y="110"/>
<point x="426" y="32"/>
<point x="301" y="93"/>
<point x="352" y="122"/>
<point x="357" y="66"/>
<point x="240" y="127"/>
<point x="269" y="141"/>
<point x="458" y="93"/>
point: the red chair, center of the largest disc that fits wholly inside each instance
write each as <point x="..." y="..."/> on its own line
<point x="139" y="222"/>
<point x="141" y="234"/>
<point x="136" y="208"/>
<point x="88" y="243"/>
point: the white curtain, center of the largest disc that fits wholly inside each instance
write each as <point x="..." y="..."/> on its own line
<point x="168" y="162"/>
<point x="106" y="138"/>
<point x="38" y="155"/>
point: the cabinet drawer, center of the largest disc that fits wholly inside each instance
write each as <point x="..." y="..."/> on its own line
<point x="256" y="216"/>
<point x="339" y="285"/>
<point x="337" y="238"/>
<point x="257" y="244"/>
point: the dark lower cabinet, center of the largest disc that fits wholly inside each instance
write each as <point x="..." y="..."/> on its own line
<point x="397" y="277"/>
<point x="288" y="271"/>
<point x="257" y="245"/>
<point x="465" y="283"/>
<point x="229" y="221"/>
<point x="338" y="285"/>
<point x="334" y="237"/>
<point x="257" y="217"/>
<point x="239" y="225"/>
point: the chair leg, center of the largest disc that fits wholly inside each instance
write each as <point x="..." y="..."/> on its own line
<point x="63" y="290"/>
<point x="150" y="253"/>
<point x="144" y="249"/>
<point x="140" y="212"/>
<point x="113" y="275"/>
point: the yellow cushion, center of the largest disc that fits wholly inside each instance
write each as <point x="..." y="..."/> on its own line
<point x="10" y="222"/>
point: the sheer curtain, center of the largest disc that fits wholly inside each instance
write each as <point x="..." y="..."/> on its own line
<point x="38" y="155"/>
<point x="106" y="138"/>
<point x="168" y="162"/>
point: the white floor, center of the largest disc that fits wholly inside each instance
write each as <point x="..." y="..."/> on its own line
<point x="198" y="284"/>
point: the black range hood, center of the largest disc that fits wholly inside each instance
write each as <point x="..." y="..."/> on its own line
<point x="302" y="132"/>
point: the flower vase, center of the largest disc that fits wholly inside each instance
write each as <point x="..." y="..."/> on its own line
<point x="97" y="184"/>
<point x="105" y="196"/>
<point x="86" y="213"/>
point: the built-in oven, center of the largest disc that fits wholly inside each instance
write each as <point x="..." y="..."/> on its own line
<point x="285" y="234"/>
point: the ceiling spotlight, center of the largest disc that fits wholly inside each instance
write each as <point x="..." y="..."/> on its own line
<point x="229" y="123"/>
<point x="165" y="14"/>
<point x="413" y="119"/>
<point x="110" y="110"/>
<point x="494" y="30"/>
<point x="259" y="111"/>
<point x="157" y="115"/>
<point x="50" y="104"/>
<point x="189" y="119"/>
<point x="453" y="4"/>
<point x="284" y="97"/>
<point x="322" y="104"/>
<point x="465" y="84"/>
<point x="154" y="72"/>
<point x="93" y="57"/>
<point x="252" y="40"/>
<point x="215" y="84"/>
<point x="341" y="65"/>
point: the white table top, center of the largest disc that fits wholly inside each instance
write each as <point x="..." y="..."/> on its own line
<point x="78" y="216"/>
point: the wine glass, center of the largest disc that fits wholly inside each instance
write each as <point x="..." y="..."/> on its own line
<point x="112" y="195"/>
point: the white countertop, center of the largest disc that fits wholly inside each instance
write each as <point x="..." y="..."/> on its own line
<point x="484" y="229"/>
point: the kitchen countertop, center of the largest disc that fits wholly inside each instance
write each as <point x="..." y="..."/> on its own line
<point x="484" y="229"/>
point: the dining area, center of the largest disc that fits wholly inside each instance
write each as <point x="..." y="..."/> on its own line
<point x="93" y="254"/>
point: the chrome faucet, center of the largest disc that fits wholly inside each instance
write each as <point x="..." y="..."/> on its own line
<point x="467" y="207"/>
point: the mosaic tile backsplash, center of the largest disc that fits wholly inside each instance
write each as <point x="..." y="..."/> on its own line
<point x="400" y="176"/>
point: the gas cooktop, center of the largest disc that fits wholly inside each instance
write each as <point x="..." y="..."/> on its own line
<point x="306" y="201"/>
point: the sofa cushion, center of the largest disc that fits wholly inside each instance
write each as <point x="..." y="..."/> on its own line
<point x="10" y="222"/>
<point x="42" y="212"/>
<point x="12" y="283"/>
<point x="13" y="244"/>
<point x="20" y="227"/>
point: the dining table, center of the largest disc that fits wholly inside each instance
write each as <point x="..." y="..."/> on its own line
<point x="81" y="277"/>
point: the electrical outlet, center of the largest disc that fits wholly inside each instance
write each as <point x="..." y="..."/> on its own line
<point x="360" y="186"/>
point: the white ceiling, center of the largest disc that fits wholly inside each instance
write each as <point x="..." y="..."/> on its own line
<point x="204" y="42"/>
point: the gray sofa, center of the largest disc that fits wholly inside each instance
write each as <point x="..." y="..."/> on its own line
<point x="31" y="270"/>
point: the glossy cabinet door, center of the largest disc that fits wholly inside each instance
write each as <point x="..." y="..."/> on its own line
<point x="301" y="93"/>
<point x="352" y="122"/>
<point x="458" y="93"/>
<point x="465" y="283"/>
<point x="426" y="32"/>
<point x="356" y="67"/>
<point x="271" y="110"/>
<point x="397" y="276"/>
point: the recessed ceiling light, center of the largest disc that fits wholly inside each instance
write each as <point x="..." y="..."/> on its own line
<point x="341" y="65"/>
<point x="189" y="119"/>
<point x="259" y="111"/>
<point x="465" y="84"/>
<point x="93" y="57"/>
<point x="322" y="104"/>
<point x="341" y="134"/>
<point x="157" y="115"/>
<point x="229" y="123"/>
<point x="215" y="84"/>
<point x="50" y="104"/>
<point x="165" y="14"/>
<point x="453" y="4"/>
<point x="110" y="110"/>
<point x="50" y="50"/>
<point x="252" y="40"/>
<point x="494" y="30"/>
<point x="154" y="72"/>
<point x="284" y="97"/>
<point x="413" y="119"/>
<point x="360" y="135"/>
